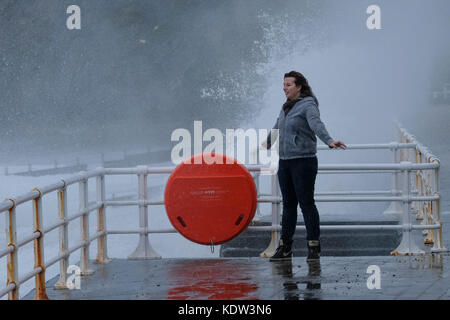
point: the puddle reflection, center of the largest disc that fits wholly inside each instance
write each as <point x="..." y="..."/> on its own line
<point x="211" y="279"/>
<point x="292" y="285"/>
<point x="427" y="261"/>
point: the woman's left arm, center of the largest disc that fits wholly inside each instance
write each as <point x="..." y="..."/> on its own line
<point x="313" y="118"/>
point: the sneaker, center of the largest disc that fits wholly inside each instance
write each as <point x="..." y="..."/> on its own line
<point x="313" y="250"/>
<point x="283" y="252"/>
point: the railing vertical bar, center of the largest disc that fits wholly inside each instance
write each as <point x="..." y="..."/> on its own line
<point x="276" y="207"/>
<point x="84" y="202"/>
<point x="144" y="250"/>
<point x="102" y="246"/>
<point x="12" y="265"/>
<point x="407" y="245"/>
<point x="438" y="241"/>
<point x="40" y="290"/>
<point x="275" y="235"/>
<point x="394" y="207"/>
<point x="63" y="239"/>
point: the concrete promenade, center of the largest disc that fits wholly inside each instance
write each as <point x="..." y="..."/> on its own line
<point x="424" y="277"/>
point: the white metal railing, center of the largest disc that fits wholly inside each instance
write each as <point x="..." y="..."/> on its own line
<point x="407" y="195"/>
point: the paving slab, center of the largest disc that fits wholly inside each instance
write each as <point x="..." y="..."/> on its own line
<point x="333" y="278"/>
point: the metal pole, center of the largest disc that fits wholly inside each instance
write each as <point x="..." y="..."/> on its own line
<point x="415" y="189"/>
<point x="277" y="206"/>
<point x="40" y="291"/>
<point x="407" y="245"/>
<point x="144" y="250"/>
<point x="256" y="180"/>
<point x="438" y="243"/>
<point x="63" y="239"/>
<point x="275" y="237"/>
<point x="102" y="246"/>
<point x="11" y="240"/>
<point x="420" y="178"/>
<point x="84" y="203"/>
<point x="394" y="207"/>
<point x="429" y="213"/>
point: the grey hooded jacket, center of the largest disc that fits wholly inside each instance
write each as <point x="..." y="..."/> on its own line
<point x="298" y="130"/>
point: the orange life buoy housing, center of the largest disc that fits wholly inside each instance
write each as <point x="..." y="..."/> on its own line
<point x="210" y="203"/>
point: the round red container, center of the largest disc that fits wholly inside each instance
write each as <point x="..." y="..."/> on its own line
<point x="210" y="203"/>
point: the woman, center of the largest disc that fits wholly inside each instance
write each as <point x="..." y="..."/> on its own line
<point x="298" y="124"/>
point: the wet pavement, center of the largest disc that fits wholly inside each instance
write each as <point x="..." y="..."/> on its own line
<point x="424" y="277"/>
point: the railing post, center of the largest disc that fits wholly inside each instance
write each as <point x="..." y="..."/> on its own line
<point x="255" y="177"/>
<point x="394" y="207"/>
<point x="102" y="246"/>
<point x="63" y="239"/>
<point x="144" y="250"/>
<point x="430" y="209"/>
<point x="417" y="187"/>
<point x="40" y="291"/>
<point x="11" y="240"/>
<point x="421" y="207"/>
<point x="275" y="237"/>
<point x="437" y="235"/>
<point x="84" y="204"/>
<point x="407" y="245"/>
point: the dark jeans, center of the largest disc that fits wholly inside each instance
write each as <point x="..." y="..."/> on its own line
<point x="297" y="178"/>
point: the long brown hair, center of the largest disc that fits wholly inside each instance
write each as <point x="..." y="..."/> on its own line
<point x="301" y="80"/>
